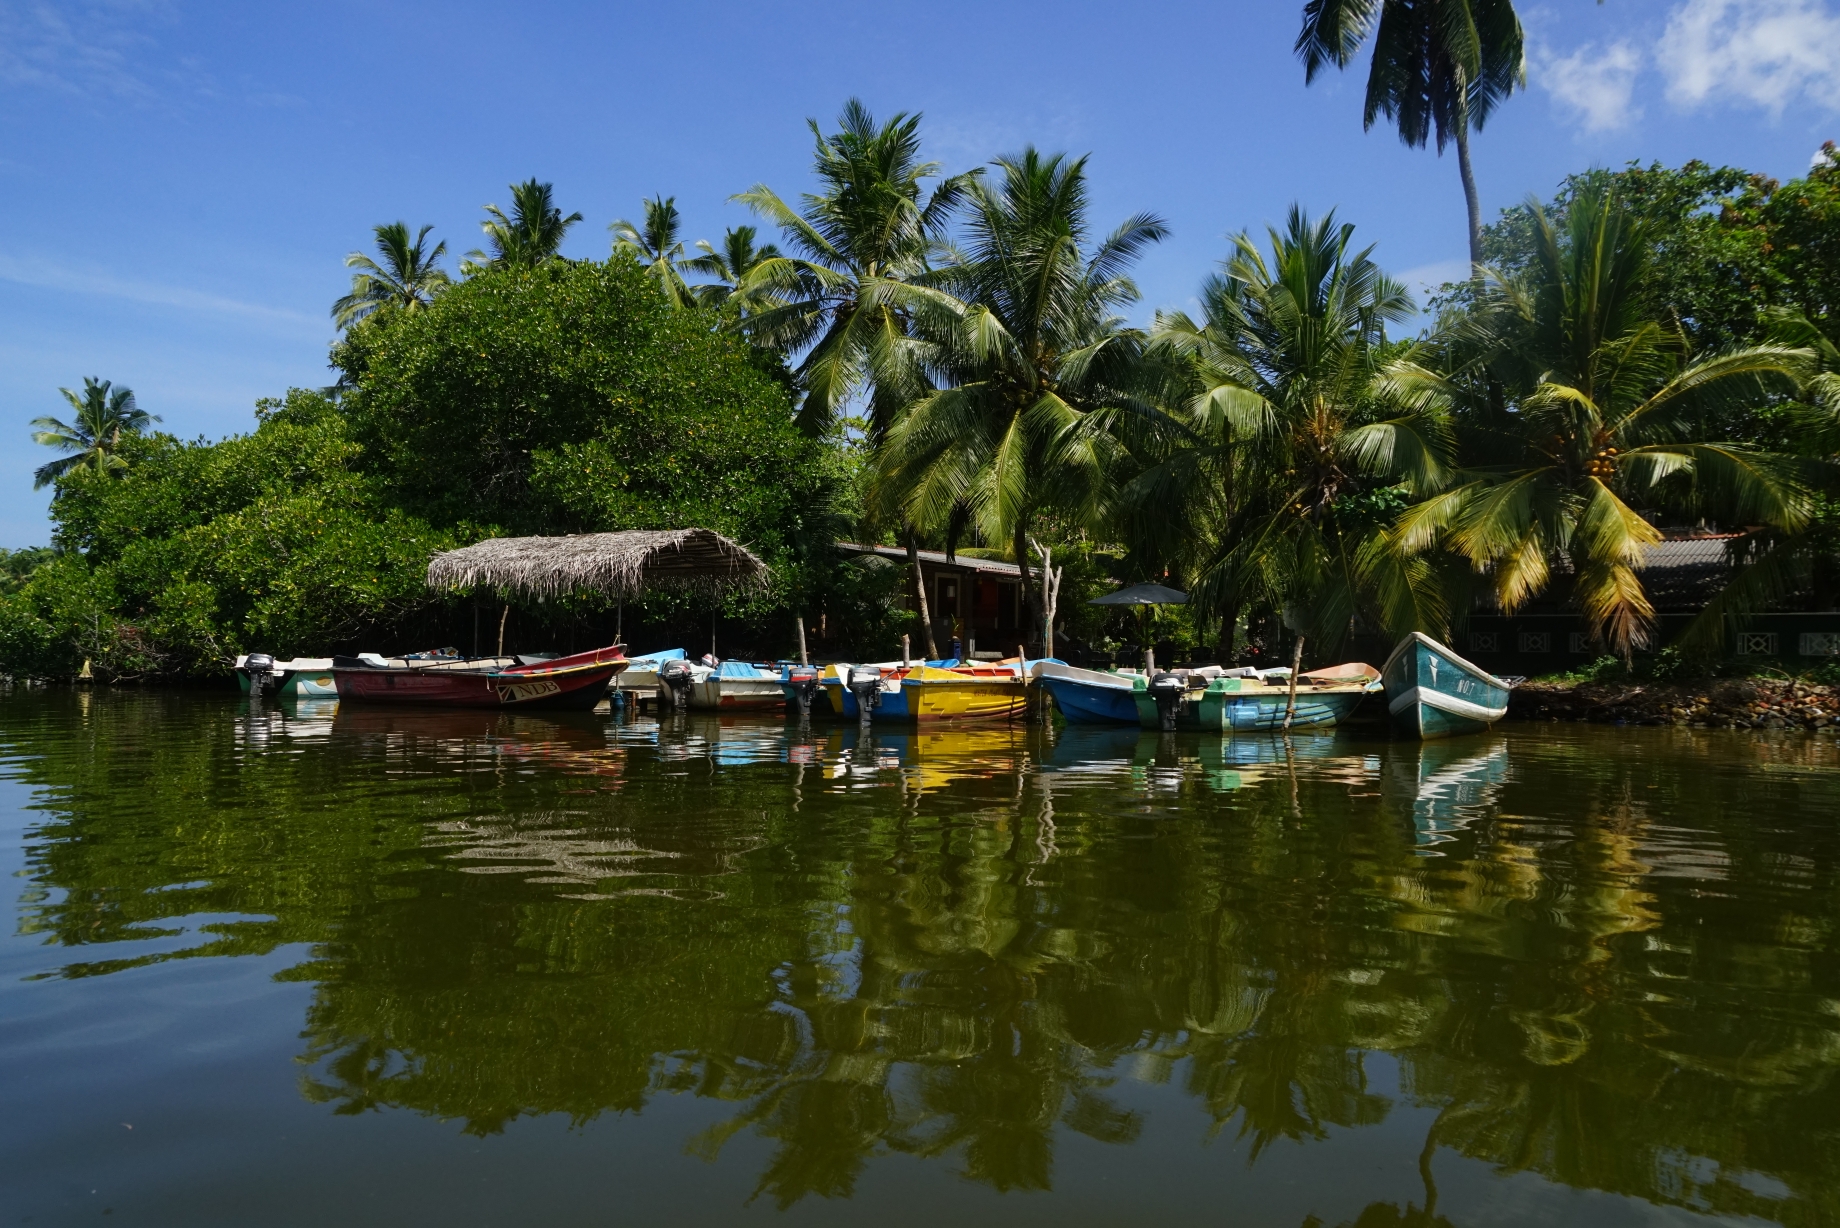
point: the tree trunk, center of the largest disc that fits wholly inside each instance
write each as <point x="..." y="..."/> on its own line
<point x="1019" y="546"/>
<point x="1229" y="624"/>
<point x="1290" y="704"/>
<point x="926" y="616"/>
<point x="1470" y="200"/>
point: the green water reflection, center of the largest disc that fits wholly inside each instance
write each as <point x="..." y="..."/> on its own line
<point x="1602" y="957"/>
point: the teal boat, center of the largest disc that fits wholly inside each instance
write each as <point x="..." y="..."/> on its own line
<point x="1243" y="704"/>
<point x="1431" y="692"/>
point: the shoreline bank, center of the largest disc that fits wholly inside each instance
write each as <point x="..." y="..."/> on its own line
<point x="1723" y="703"/>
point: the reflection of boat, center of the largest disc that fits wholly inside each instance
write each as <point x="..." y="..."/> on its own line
<point x="1093" y="748"/>
<point x="933" y="757"/>
<point x="573" y="742"/>
<point x="1451" y="792"/>
<point x="1246" y="704"/>
<point x="573" y="682"/>
<point x="1088" y="697"/>
<point x="299" y="676"/>
<point x="1431" y="692"/>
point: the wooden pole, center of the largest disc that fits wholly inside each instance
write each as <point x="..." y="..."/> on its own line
<point x="1290" y="705"/>
<point x="926" y="614"/>
<point x="906" y="656"/>
<point x="804" y="658"/>
<point x="501" y="628"/>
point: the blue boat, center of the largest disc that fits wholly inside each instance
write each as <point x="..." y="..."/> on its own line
<point x="1431" y="692"/>
<point x="1088" y="697"/>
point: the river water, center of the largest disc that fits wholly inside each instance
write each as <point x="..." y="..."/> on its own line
<point x="293" y="966"/>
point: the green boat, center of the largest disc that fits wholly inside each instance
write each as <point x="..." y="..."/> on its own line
<point x="1241" y="704"/>
<point x="1431" y="692"/>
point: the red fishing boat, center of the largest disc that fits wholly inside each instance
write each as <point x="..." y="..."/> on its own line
<point x="575" y="682"/>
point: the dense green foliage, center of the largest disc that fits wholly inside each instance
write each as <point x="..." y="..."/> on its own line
<point x="562" y="398"/>
<point x="942" y="360"/>
<point x="199" y="549"/>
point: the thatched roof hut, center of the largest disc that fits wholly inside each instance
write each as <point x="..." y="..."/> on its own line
<point x="617" y="564"/>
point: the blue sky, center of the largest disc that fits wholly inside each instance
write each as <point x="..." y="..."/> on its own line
<point x="182" y="180"/>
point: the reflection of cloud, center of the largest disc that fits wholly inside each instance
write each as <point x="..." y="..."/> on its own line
<point x="1767" y="52"/>
<point x="1595" y="83"/>
<point x="33" y="271"/>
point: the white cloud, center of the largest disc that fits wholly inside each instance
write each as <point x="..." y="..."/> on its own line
<point x="51" y="275"/>
<point x="1767" y="52"/>
<point x="1594" y="83"/>
<point x="1424" y="280"/>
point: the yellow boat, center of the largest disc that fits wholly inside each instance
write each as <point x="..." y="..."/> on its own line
<point x="927" y="693"/>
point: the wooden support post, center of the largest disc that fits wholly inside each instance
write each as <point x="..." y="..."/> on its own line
<point x="501" y="628"/>
<point x="1290" y="705"/>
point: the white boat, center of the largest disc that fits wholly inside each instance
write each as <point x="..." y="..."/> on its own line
<point x="302" y="676"/>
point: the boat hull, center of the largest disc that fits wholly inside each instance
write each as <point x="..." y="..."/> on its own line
<point x="1431" y="692"/>
<point x="304" y="678"/>
<point x="1091" y="703"/>
<point x="574" y="683"/>
<point x="924" y="698"/>
<point x="1243" y="705"/>
<point x="927" y="694"/>
<point x="737" y="695"/>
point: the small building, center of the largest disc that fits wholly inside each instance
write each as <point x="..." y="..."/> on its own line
<point x="1680" y="574"/>
<point x="976" y="601"/>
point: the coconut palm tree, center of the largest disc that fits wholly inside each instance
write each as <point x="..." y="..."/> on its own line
<point x="93" y="437"/>
<point x="1613" y="424"/>
<point x="408" y="277"/>
<point x="863" y="246"/>
<point x="1030" y="348"/>
<point x="655" y="244"/>
<point x="1313" y="426"/>
<point x="530" y="235"/>
<point x="1438" y="66"/>
<point x="730" y="264"/>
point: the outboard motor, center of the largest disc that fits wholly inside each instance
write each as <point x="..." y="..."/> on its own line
<point x="260" y="666"/>
<point x="1168" y="690"/>
<point x="710" y="660"/>
<point x="802" y="680"/>
<point x="674" y="680"/>
<point x="866" y="685"/>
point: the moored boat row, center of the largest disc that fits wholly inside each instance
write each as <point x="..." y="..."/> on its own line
<point x="1430" y="690"/>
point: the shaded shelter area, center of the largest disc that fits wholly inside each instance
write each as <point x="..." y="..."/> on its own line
<point x="617" y="566"/>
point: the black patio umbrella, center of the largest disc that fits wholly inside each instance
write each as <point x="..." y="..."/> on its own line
<point x="1143" y="596"/>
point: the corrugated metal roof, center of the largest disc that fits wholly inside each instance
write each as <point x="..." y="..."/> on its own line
<point x="937" y="558"/>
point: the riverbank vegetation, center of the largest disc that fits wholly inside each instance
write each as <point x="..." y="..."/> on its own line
<point x="945" y="358"/>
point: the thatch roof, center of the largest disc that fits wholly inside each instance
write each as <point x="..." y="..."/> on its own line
<point x="617" y="564"/>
